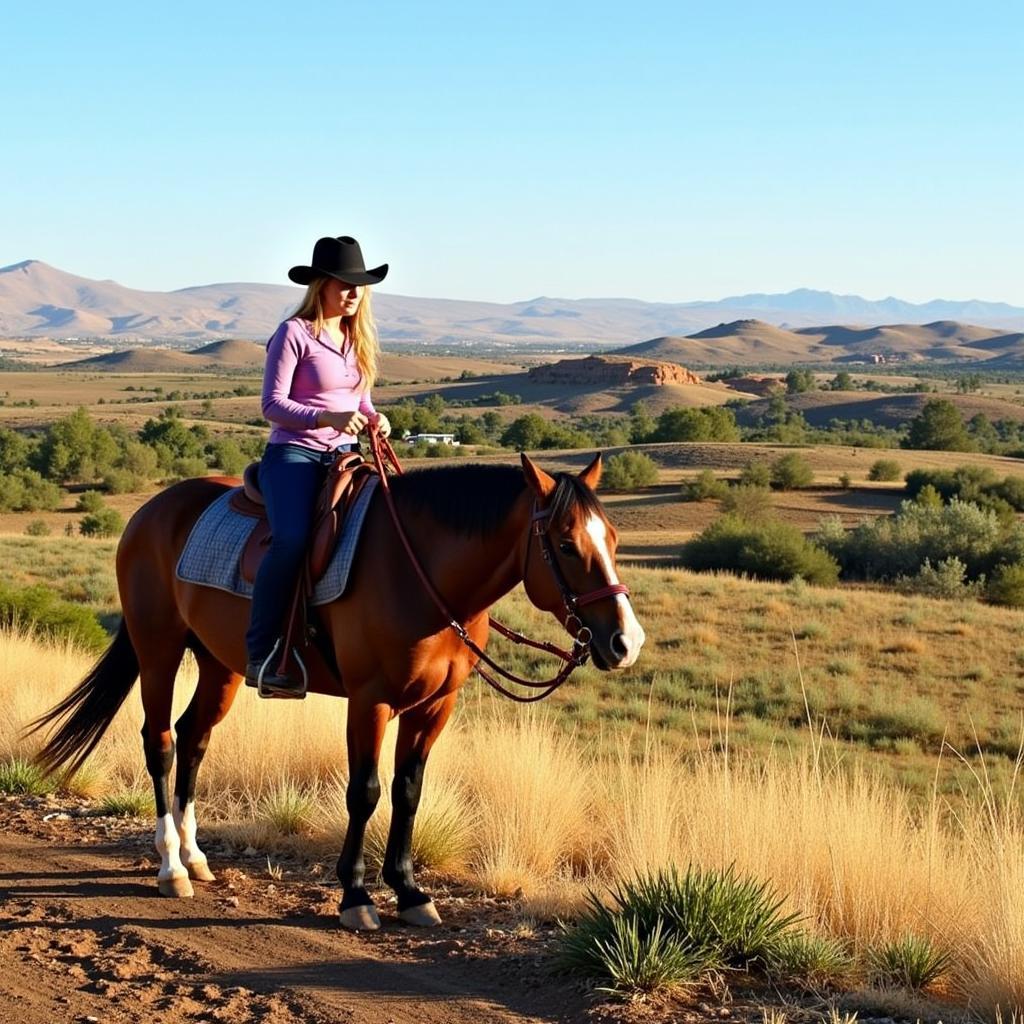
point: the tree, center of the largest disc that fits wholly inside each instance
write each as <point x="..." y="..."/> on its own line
<point x="715" y="423"/>
<point x="939" y="427"/>
<point x="798" y="381"/>
<point x="525" y="433"/>
<point x="842" y="381"/>
<point x="641" y="423"/>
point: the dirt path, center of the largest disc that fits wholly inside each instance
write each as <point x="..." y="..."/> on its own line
<point x="84" y="936"/>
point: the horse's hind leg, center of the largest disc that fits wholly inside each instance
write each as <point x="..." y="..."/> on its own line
<point x="158" y="665"/>
<point x="365" y="733"/>
<point x="210" y="703"/>
<point x="418" y="728"/>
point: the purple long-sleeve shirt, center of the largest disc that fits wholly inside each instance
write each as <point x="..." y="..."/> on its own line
<point x="305" y="376"/>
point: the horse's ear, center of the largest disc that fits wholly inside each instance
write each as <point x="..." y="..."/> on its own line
<point x="540" y="482"/>
<point x="591" y="476"/>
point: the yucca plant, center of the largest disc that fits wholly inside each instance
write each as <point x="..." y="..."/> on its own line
<point x="811" y="960"/>
<point x="912" y="962"/>
<point x="633" y="960"/>
<point x="22" y="777"/>
<point x="714" y="919"/>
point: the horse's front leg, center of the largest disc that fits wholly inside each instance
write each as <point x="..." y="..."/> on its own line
<point x="365" y="733"/>
<point x="417" y="730"/>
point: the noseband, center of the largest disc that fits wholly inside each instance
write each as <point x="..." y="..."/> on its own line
<point x="540" y="522"/>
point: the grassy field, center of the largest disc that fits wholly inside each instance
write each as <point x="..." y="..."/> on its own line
<point x="538" y="801"/>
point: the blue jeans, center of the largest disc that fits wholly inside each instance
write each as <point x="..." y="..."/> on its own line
<point x="291" y="476"/>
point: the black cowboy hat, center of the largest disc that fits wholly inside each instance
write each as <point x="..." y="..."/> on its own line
<point x="340" y="258"/>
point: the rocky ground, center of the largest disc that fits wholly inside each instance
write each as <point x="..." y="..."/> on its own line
<point x="84" y="937"/>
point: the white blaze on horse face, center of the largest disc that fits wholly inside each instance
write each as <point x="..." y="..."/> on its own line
<point x="631" y="632"/>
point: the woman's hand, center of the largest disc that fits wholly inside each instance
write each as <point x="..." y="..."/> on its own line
<point x="344" y="422"/>
<point x="382" y="423"/>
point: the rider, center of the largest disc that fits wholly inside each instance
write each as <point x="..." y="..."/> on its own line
<point x="321" y="365"/>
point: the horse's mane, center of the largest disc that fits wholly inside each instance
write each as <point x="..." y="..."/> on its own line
<point x="475" y="499"/>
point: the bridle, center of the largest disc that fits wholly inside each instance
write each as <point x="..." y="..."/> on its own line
<point x="540" y="524"/>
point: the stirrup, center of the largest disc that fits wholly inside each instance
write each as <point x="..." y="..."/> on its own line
<point x="265" y="690"/>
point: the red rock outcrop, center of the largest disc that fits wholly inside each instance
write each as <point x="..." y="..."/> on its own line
<point x="612" y="370"/>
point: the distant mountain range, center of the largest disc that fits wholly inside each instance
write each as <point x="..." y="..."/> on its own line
<point x="37" y="300"/>
<point x="753" y="342"/>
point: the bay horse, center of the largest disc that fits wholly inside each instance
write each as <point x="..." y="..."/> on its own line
<point x="473" y="528"/>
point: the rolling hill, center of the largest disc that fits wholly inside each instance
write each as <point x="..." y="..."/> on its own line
<point x="752" y="342"/>
<point x="37" y="299"/>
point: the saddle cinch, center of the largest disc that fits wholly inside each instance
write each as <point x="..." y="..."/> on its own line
<point x="346" y="477"/>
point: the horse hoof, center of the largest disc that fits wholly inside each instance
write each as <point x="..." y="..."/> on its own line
<point x="359" y="919"/>
<point x="199" y="871"/>
<point x="178" y="888"/>
<point x="423" y="916"/>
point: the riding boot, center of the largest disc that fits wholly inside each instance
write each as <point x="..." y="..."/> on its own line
<point x="271" y="683"/>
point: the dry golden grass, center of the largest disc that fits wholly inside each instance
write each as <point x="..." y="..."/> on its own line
<point x="544" y="813"/>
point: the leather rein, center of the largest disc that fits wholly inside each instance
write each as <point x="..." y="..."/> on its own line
<point x="540" y="522"/>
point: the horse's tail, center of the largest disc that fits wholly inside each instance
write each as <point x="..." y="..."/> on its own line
<point x="90" y="707"/>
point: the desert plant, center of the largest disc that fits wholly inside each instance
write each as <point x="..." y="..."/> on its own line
<point x="632" y="962"/>
<point x="713" y="918"/>
<point x="107" y="522"/>
<point x="1007" y="585"/>
<point x="629" y="470"/>
<point x="756" y="474"/>
<point x="770" y="550"/>
<point x="288" y="806"/>
<point x="791" y="472"/>
<point x="704" y="486"/>
<point x="127" y="803"/>
<point x="40" y="611"/>
<point x="23" y="777"/>
<point x="884" y="470"/>
<point x="89" y="501"/>
<point x="748" y="502"/>
<point x="811" y="960"/>
<point x="38" y="528"/>
<point x="912" y="962"/>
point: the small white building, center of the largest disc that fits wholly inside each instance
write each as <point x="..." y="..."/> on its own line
<point x="448" y="439"/>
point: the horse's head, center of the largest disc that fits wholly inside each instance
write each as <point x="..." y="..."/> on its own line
<point x="570" y="564"/>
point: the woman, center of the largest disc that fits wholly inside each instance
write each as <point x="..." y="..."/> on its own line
<point x="321" y="365"/>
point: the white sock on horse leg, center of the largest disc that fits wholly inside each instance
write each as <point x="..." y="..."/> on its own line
<point x="168" y="845"/>
<point x="185" y="822"/>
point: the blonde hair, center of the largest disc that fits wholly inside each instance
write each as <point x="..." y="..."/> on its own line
<point x="362" y="331"/>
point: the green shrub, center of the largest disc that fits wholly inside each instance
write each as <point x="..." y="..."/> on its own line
<point x="947" y="579"/>
<point x="1007" y="586"/>
<point x="791" y="472"/>
<point x="845" y="481"/>
<point x="703" y="487"/>
<point x="38" y="528"/>
<point x="897" y="546"/>
<point x="748" y="502"/>
<point x="123" y="481"/>
<point x="911" y="962"/>
<point x="770" y="550"/>
<point x="756" y="474"/>
<point x="41" y="611"/>
<point x="20" y="777"/>
<point x="675" y="926"/>
<point x="811" y="960"/>
<point x="631" y="961"/>
<point x="128" y="803"/>
<point x="108" y="522"/>
<point x="89" y="501"/>
<point x="884" y="470"/>
<point x="629" y="470"/>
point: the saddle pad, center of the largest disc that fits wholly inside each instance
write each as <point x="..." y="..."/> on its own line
<point x="211" y="554"/>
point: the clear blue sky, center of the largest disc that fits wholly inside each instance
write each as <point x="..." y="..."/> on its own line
<point x="664" y="151"/>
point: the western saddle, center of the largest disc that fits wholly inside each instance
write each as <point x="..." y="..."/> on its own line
<point x="346" y="477"/>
